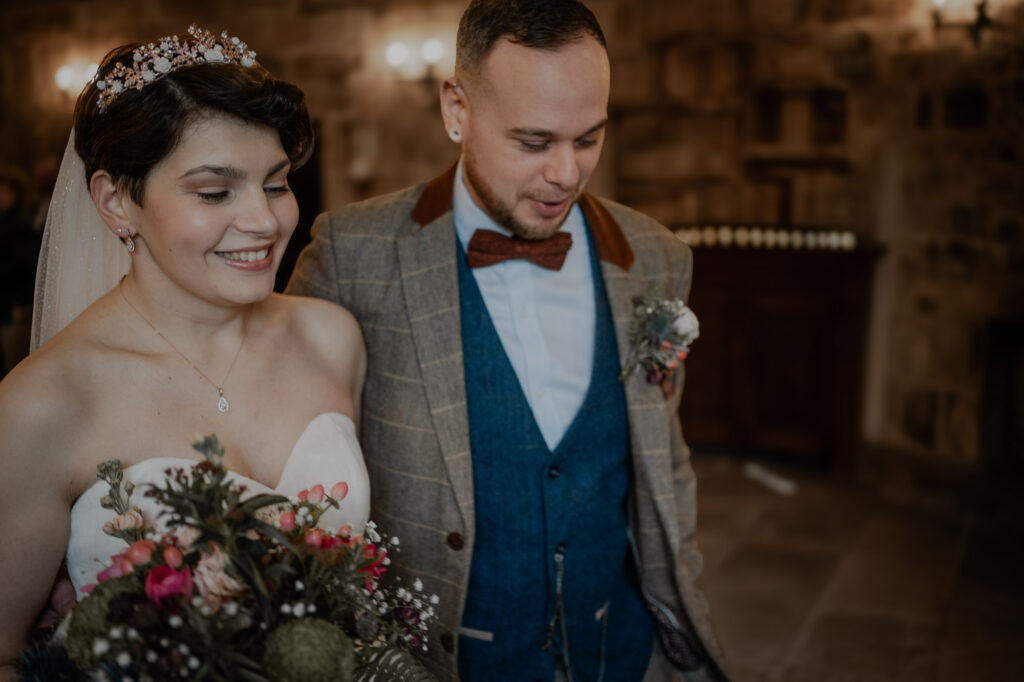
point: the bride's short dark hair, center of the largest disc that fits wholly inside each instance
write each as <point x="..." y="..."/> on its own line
<point x="135" y="131"/>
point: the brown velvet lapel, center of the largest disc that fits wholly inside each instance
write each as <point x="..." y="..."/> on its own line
<point x="436" y="199"/>
<point x="611" y="244"/>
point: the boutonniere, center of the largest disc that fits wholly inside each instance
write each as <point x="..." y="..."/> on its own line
<point x="660" y="335"/>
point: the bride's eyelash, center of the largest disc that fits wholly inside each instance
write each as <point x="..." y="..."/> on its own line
<point x="211" y="197"/>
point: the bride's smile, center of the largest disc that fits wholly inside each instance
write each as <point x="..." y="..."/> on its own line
<point x="217" y="213"/>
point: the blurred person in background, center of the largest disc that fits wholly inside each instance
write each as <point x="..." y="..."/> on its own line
<point x="17" y="268"/>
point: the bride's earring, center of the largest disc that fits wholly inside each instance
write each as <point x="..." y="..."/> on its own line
<point x="129" y="242"/>
<point x="455" y="134"/>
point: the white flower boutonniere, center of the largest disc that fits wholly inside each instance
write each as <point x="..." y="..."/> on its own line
<point x="660" y="335"/>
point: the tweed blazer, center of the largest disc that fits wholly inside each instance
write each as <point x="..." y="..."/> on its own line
<point x="391" y="261"/>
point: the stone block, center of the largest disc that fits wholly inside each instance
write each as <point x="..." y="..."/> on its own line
<point x="704" y="76"/>
<point x="673" y="148"/>
<point x="1010" y="232"/>
<point x="804" y="64"/>
<point x="668" y="19"/>
<point x="779" y="16"/>
<point x="633" y="80"/>
<point x="968" y="220"/>
<point x="919" y="417"/>
<point x="719" y="203"/>
<point x="844" y="10"/>
<point x="761" y="203"/>
<point x="853" y="57"/>
<point x="959" y="432"/>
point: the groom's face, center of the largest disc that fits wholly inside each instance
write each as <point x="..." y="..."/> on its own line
<point x="533" y="127"/>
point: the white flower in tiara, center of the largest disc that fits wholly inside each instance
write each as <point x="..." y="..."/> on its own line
<point x="154" y="60"/>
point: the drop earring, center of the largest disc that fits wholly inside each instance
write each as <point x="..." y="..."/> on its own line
<point x="455" y="134"/>
<point x="129" y="243"/>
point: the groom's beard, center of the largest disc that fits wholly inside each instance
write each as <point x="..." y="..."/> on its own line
<point x="501" y="212"/>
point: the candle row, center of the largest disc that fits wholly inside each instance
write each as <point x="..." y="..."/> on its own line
<point x="768" y="238"/>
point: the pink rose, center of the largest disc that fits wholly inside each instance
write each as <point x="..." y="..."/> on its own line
<point x="186" y="536"/>
<point x="130" y="520"/>
<point x="212" y="580"/>
<point x="114" y="570"/>
<point x="315" y="537"/>
<point x="163" y="582"/>
<point x="316" y="494"/>
<point x="173" y="557"/>
<point x="141" y="552"/>
<point x="339" y="491"/>
<point x="303" y="496"/>
<point x="287" y="521"/>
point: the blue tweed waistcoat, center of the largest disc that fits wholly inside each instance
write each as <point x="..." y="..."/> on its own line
<point x="552" y="576"/>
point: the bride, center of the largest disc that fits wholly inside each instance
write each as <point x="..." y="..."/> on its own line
<point x="186" y="147"/>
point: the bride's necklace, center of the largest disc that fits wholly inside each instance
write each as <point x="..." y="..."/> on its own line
<point x="222" y="403"/>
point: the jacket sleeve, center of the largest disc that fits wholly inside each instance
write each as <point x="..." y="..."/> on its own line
<point x="316" y="272"/>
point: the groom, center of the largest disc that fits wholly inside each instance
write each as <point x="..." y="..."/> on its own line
<point x="502" y="447"/>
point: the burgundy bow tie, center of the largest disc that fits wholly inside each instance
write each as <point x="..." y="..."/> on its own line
<point x="488" y="247"/>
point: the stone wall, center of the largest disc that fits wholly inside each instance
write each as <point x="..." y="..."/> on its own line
<point x="817" y="114"/>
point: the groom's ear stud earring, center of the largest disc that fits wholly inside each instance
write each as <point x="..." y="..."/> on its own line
<point x="455" y="134"/>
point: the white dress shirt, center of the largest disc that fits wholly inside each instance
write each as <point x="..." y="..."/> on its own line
<point x="545" y="319"/>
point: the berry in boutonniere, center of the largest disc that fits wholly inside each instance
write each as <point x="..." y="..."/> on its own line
<point x="660" y="335"/>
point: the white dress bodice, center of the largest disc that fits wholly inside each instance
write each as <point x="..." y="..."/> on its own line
<point x="327" y="452"/>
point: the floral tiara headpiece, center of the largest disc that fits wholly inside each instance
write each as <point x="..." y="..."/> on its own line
<point x="154" y="61"/>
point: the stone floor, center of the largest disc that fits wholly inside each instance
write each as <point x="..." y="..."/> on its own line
<point x="837" y="584"/>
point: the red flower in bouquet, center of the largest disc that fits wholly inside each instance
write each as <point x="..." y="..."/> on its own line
<point x="163" y="582"/>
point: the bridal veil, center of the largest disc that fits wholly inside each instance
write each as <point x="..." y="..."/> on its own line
<point x="80" y="259"/>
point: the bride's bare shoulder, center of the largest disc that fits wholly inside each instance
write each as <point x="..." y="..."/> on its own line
<point x="50" y="392"/>
<point x="325" y="330"/>
<point x="318" y="321"/>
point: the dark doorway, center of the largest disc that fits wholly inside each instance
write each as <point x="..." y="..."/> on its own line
<point x="305" y="184"/>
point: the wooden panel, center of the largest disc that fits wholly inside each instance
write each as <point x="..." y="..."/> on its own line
<point x="777" y="367"/>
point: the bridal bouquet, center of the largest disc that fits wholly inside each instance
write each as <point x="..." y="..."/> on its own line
<point x="237" y="588"/>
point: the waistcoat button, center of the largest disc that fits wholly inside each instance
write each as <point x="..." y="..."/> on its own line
<point x="455" y="541"/>
<point x="447" y="643"/>
<point x="554" y="472"/>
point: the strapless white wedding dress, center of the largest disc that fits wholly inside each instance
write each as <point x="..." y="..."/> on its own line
<point x="327" y="452"/>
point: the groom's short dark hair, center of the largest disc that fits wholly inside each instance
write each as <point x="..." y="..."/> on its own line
<point x="543" y="24"/>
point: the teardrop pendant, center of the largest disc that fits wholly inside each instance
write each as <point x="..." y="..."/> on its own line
<point x="223" y="405"/>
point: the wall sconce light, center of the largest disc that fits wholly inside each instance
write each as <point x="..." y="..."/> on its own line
<point x="974" y="28"/>
<point x="73" y="76"/>
<point x="413" y="60"/>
